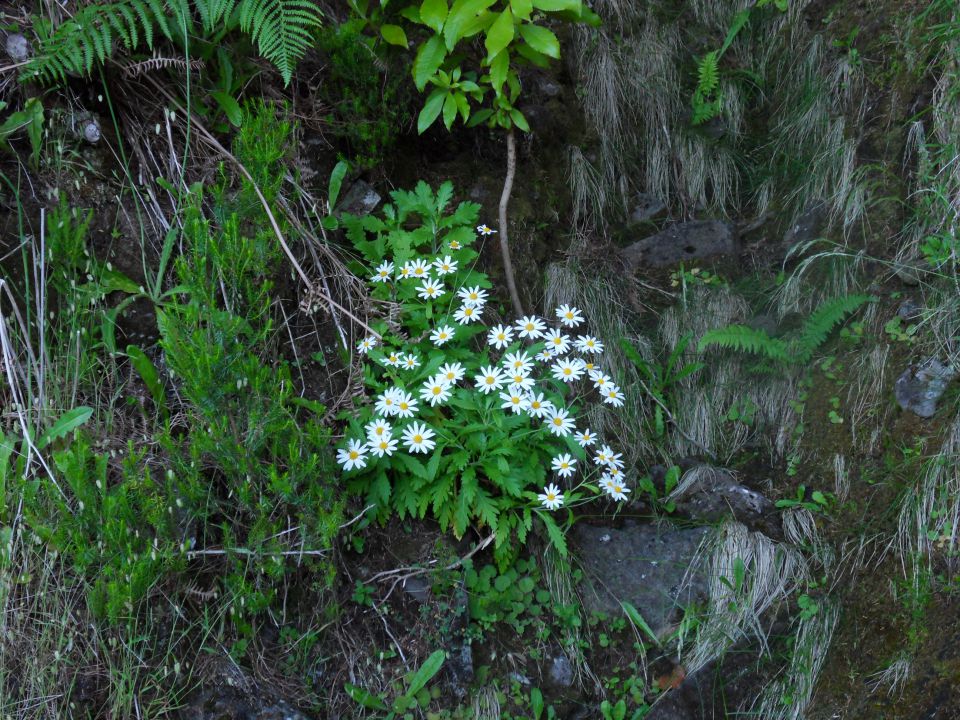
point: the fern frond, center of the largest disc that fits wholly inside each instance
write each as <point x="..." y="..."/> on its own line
<point x="282" y="30"/>
<point x="708" y="73"/>
<point x="91" y="34"/>
<point x="745" y="339"/>
<point x="214" y="12"/>
<point x="823" y="320"/>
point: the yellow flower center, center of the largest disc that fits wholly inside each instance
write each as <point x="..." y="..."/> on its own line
<point x="551" y="497"/>
<point x="437" y="389"/>
<point x="387" y="401"/>
<point x="567" y="371"/>
<point x="557" y="341"/>
<point x="418" y="439"/>
<point x="528" y="326"/>
<point x="490" y="380"/>
<point x="449" y="376"/>
<point x="384" y="444"/>
<point x="501" y="336"/>
<point x="569" y="316"/>
<point x="403" y="406"/>
<point x="535" y="405"/>
<point x="354" y="454"/>
<point x="557" y="421"/>
<point x="564" y="466"/>
<point x="617" y="489"/>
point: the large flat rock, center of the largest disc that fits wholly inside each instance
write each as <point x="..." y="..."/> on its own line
<point x="682" y="241"/>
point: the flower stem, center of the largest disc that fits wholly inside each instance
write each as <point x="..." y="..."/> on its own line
<point x="504" y="240"/>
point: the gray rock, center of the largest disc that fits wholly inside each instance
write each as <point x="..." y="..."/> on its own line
<point x="361" y="199"/>
<point x="918" y="389"/>
<point x="417" y="587"/>
<point x="642" y="564"/>
<point x="18" y="48"/>
<point x="560" y="674"/>
<point x="806" y="226"/>
<point x="708" y="494"/>
<point x="550" y="88"/>
<point x="909" y="272"/>
<point x="909" y="310"/>
<point x="646" y="207"/>
<point x="683" y="241"/>
<point x="459" y="664"/>
<point x="87" y="128"/>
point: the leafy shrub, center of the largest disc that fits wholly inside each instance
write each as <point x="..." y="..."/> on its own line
<point x="484" y="451"/>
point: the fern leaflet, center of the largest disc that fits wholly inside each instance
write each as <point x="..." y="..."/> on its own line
<point x="819" y="325"/>
<point x="281" y="29"/>
<point x="746" y="339"/>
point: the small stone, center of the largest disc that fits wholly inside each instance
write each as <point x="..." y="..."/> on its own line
<point x="18" y="48"/>
<point x="361" y="199"/>
<point x="918" y="390"/>
<point x="909" y="310"/>
<point x="560" y="673"/>
<point x="909" y="272"/>
<point x="646" y="207"/>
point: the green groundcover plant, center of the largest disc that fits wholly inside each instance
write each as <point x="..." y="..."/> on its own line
<point x="461" y="420"/>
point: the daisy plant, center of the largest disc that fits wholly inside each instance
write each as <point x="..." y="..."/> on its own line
<point x="473" y="419"/>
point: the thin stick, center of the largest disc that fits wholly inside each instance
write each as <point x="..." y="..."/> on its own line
<point x="504" y="239"/>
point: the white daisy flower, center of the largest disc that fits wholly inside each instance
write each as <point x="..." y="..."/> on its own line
<point x="435" y="390"/>
<point x="616" y="490"/>
<point x="353" y="456"/>
<point x="410" y="361"/>
<point x="599" y="379"/>
<point x="451" y="372"/>
<point x="613" y="396"/>
<point x="489" y="379"/>
<point x="530" y="327"/>
<point x="441" y="335"/>
<point x="366" y="345"/>
<point x="404" y="272"/>
<point x="445" y="265"/>
<point x="603" y="455"/>
<point x="588" y="365"/>
<point x="514" y="400"/>
<point x="430" y="289"/>
<point x="563" y="465"/>
<point x="560" y="422"/>
<point x="569" y="315"/>
<point x="538" y="406"/>
<point x="383" y="272"/>
<point x="615" y="460"/>
<point x="418" y="438"/>
<point x="406" y="405"/>
<point x="387" y="402"/>
<point x="567" y="370"/>
<point x="614" y="475"/>
<point x="484" y="230"/>
<point x="473" y="297"/>
<point x="557" y="341"/>
<point x="589" y="344"/>
<point x="378" y="429"/>
<point x="518" y="362"/>
<point x="467" y="314"/>
<point x="585" y="438"/>
<point x="383" y="446"/>
<point x="455" y="245"/>
<point x="519" y="380"/>
<point x="551" y="497"/>
<point x="393" y="359"/>
<point x="545" y="355"/>
<point x="419" y="269"/>
<point x="500" y="336"/>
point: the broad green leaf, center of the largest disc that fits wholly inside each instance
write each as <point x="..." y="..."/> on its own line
<point x="431" y="110"/>
<point x="449" y="109"/>
<point x="433" y="13"/>
<point x="536" y="703"/>
<point x="67" y="423"/>
<point x="540" y="39"/>
<point x="429" y="58"/>
<point x="532" y="56"/>
<point x="462" y="13"/>
<point x="394" y="35"/>
<point x="519" y="120"/>
<point x="148" y="373"/>
<point x="499" y="69"/>
<point x="230" y="107"/>
<point x="336" y="182"/>
<point x="500" y="34"/>
<point x="113" y="280"/>
<point x="430" y="667"/>
<point x="637" y="619"/>
<point x="522" y="8"/>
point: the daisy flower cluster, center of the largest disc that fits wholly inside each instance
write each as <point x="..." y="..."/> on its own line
<point x="536" y="370"/>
